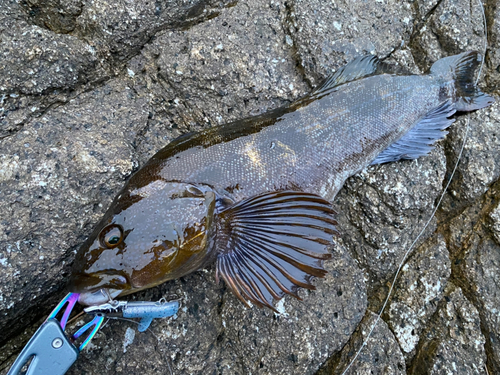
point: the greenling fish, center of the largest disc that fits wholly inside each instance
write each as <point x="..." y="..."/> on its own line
<point x="254" y="195"/>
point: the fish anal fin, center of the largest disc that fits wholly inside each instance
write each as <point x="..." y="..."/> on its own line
<point x="420" y="139"/>
<point x="262" y="261"/>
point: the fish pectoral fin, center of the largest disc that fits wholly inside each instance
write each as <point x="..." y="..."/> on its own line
<point x="420" y="139"/>
<point x="271" y="244"/>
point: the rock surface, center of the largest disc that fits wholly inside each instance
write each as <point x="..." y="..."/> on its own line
<point x="89" y="90"/>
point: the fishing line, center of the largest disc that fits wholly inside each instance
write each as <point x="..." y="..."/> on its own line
<point x="405" y="256"/>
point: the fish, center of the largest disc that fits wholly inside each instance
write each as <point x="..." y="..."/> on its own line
<point x="255" y="195"/>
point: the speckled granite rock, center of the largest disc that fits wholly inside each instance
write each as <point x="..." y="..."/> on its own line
<point x="449" y="25"/>
<point x="480" y="165"/>
<point x="385" y="208"/>
<point x="418" y="291"/>
<point x="326" y="35"/>
<point x="381" y="355"/>
<point x="477" y="267"/>
<point x="493" y="58"/>
<point x="453" y="343"/>
<point x="90" y="90"/>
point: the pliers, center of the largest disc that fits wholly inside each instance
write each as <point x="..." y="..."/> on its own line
<point x="52" y="352"/>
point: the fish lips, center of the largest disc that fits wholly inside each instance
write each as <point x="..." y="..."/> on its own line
<point x="98" y="297"/>
<point x="99" y="288"/>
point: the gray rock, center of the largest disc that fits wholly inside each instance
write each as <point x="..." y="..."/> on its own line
<point x="494" y="224"/>
<point x="479" y="167"/>
<point x="479" y="265"/>
<point x="57" y="176"/>
<point x="454" y="343"/>
<point x="35" y="64"/>
<point x="493" y="58"/>
<point x="453" y="26"/>
<point x="476" y="266"/>
<point x="121" y="28"/>
<point x="36" y="60"/>
<point x="58" y="16"/>
<point x="380" y="355"/>
<point x="328" y="34"/>
<point x="383" y="209"/>
<point x="418" y="291"/>
<point x="90" y="90"/>
<point x="213" y="73"/>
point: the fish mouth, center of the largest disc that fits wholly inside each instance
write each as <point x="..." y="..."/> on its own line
<point x="98" y="297"/>
<point x="98" y="288"/>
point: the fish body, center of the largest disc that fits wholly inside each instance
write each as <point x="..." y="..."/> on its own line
<point x="253" y="195"/>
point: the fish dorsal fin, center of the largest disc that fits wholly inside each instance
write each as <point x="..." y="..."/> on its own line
<point x="420" y="138"/>
<point x="360" y="67"/>
<point x="271" y="244"/>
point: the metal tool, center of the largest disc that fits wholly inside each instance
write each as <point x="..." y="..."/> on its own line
<point x="52" y="352"/>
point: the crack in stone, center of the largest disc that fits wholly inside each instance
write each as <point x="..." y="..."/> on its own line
<point x="287" y="26"/>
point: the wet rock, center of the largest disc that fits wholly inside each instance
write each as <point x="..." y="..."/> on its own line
<point x="58" y="16"/>
<point x="38" y="56"/>
<point x="380" y="355"/>
<point x="213" y="74"/>
<point x="480" y="265"/>
<point x="476" y="270"/>
<point x="418" y="291"/>
<point x="454" y="343"/>
<point x="453" y="26"/>
<point x="494" y="226"/>
<point x="425" y="8"/>
<point x="36" y="60"/>
<point x="121" y="28"/>
<point x="35" y="64"/>
<point x="493" y="57"/>
<point x="128" y="77"/>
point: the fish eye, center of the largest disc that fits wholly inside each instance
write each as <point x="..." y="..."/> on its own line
<point x="111" y="236"/>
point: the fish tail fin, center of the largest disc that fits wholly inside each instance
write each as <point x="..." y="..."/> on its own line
<point x="460" y="69"/>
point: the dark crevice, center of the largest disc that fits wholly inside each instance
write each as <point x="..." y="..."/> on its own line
<point x="421" y="21"/>
<point x="425" y="351"/>
<point x="474" y="237"/>
<point x="288" y="26"/>
<point x="418" y="52"/>
<point x="53" y="16"/>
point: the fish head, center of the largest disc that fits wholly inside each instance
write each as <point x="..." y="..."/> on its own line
<point x="151" y="234"/>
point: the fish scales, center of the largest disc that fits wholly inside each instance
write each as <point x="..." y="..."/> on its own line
<point x="254" y="195"/>
<point x="303" y="147"/>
